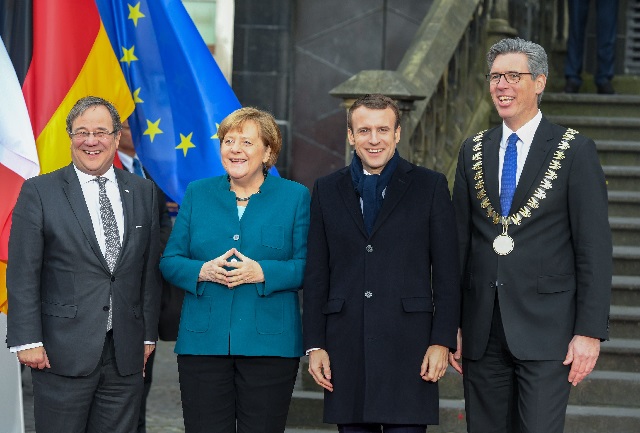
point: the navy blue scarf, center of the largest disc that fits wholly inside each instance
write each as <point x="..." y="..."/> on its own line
<point x="370" y="186"/>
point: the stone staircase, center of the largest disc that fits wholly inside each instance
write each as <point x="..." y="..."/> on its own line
<point x="609" y="399"/>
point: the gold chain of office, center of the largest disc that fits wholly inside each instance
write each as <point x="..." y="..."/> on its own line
<point x="538" y="195"/>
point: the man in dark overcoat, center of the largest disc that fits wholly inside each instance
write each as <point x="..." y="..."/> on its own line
<point x="381" y="294"/>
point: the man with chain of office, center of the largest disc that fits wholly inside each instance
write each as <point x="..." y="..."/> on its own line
<point x="536" y="255"/>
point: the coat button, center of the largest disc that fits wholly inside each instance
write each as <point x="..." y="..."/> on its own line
<point x="369" y="249"/>
<point x="105" y="308"/>
<point x="236" y="237"/>
<point x="113" y="279"/>
<point x="368" y="294"/>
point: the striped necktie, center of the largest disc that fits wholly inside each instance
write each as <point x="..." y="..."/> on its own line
<point x="112" y="236"/>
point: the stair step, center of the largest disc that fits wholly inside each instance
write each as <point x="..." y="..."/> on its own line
<point x="579" y="419"/>
<point x="601" y="419"/>
<point x="601" y="127"/>
<point x="582" y="104"/>
<point x="624" y="322"/>
<point x="625" y="290"/>
<point x="625" y="230"/>
<point x="618" y="152"/>
<point x="624" y="203"/>
<point x="621" y="177"/>
<point x="626" y="260"/>
<point x="620" y="354"/>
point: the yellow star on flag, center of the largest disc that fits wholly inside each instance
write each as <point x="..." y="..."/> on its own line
<point x="136" y="96"/>
<point x="185" y="143"/>
<point x="128" y="55"/>
<point x="214" y="136"/>
<point x="153" y="128"/>
<point x="135" y="14"/>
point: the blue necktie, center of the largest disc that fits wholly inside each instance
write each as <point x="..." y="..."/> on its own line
<point x="137" y="167"/>
<point x="509" y="168"/>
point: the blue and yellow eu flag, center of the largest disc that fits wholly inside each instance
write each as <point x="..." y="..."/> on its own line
<point x="179" y="92"/>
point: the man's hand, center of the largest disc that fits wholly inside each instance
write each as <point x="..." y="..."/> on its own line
<point x="582" y="355"/>
<point x="35" y="358"/>
<point x="434" y="363"/>
<point x="148" y="350"/>
<point x="454" y="358"/>
<point x="319" y="367"/>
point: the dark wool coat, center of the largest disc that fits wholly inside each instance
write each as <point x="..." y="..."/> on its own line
<point x="377" y="302"/>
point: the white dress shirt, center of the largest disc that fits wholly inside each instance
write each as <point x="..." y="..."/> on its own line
<point x="525" y="138"/>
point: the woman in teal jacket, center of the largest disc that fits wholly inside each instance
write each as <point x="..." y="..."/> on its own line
<point x="238" y="249"/>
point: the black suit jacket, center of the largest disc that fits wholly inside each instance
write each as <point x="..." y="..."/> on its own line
<point x="376" y="303"/>
<point x="59" y="283"/>
<point x="556" y="283"/>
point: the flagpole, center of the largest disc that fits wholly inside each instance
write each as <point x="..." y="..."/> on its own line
<point x="11" y="409"/>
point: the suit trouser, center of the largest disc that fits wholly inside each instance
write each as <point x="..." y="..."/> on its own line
<point x="148" y="377"/>
<point x="504" y="394"/>
<point x="606" y="28"/>
<point x="222" y="392"/>
<point x="380" y="428"/>
<point x="101" y="402"/>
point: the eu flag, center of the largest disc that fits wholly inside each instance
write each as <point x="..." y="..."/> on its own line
<point x="180" y="93"/>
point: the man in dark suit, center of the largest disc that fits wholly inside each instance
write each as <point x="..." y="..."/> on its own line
<point x="172" y="297"/>
<point x="83" y="281"/>
<point x="535" y="248"/>
<point x="381" y="295"/>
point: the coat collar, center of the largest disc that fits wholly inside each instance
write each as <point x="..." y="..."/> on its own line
<point x="396" y="189"/>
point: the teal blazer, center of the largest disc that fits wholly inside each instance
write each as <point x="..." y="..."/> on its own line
<point x="255" y="319"/>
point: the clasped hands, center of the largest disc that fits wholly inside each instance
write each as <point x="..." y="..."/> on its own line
<point x="231" y="273"/>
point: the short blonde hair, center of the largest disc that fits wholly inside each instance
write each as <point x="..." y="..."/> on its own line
<point x="268" y="130"/>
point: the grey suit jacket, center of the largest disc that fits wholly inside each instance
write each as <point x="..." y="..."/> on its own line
<point x="59" y="283"/>
<point x="556" y="283"/>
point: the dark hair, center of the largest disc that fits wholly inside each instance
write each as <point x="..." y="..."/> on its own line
<point x="536" y="56"/>
<point x="268" y="130"/>
<point x="92" y="101"/>
<point x="374" y="101"/>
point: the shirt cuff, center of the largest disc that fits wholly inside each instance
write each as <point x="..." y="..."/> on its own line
<point x="311" y="350"/>
<point x="25" y="347"/>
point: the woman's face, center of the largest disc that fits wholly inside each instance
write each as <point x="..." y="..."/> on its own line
<point x="243" y="152"/>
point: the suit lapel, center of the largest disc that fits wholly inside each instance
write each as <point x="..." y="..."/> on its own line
<point x="540" y="147"/>
<point x="398" y="185"/>
<point x="73" y="192"/>
<point x="351" y="199"/>
<point x="491" y="165"/>
<point x="126" y="195"/>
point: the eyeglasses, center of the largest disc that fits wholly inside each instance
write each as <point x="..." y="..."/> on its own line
<point x="83" y="135"/>
<point x="510" y="77"/>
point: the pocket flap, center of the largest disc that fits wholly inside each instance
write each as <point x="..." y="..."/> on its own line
<point x="333" y="306"/>
<point x="59" y="310"/>
<point x="417" y="305"/>
<point x="556" y="283"/>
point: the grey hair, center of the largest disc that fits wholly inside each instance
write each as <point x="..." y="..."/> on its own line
<point x="83" y="104"/>
<point x="536" y="56"/>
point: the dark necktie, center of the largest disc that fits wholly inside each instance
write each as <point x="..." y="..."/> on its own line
<point x="137" y="167"/>
<point x="369" y="201"/>
<point x="509" y="168"/>
<point x="111" y="235"/>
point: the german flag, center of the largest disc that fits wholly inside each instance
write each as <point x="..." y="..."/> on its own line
<point x="64" y="49"/>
